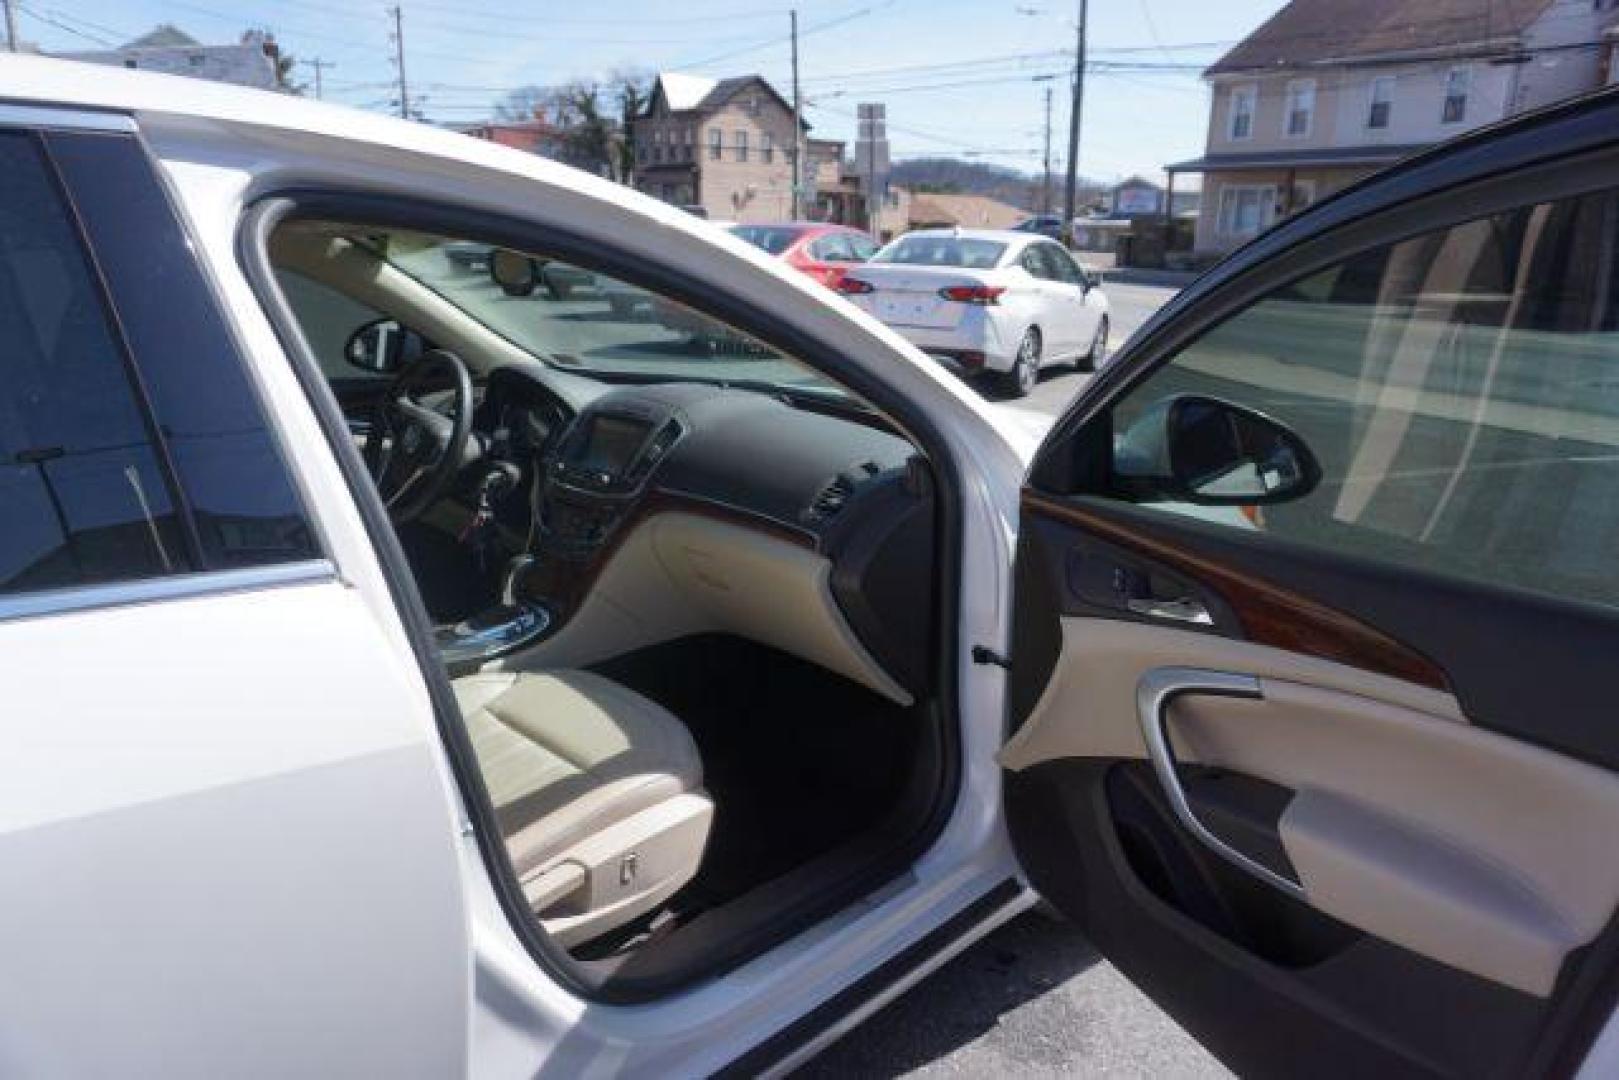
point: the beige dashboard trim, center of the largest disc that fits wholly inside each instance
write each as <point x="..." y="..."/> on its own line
<point x="680" y="574"/>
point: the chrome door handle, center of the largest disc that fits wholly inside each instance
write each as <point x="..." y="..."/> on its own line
<point x="1185" y="609"/>
<point x="1155" y="692"/>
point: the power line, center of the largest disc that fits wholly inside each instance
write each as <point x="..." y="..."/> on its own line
<point x="11" y="26"/>
<point x="767" y="43"/>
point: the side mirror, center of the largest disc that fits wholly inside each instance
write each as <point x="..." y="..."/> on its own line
<point x="1210" y="452"/>
<point x="383" y="347"/>
<point x="514" y="272"/>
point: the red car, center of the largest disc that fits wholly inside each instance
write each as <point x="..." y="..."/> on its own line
<point x="824" y="252"/>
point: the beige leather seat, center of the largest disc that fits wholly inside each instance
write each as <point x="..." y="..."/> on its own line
<point x="598" y="792"/>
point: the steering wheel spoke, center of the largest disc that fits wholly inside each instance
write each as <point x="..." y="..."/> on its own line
<point x="413" y="450"/>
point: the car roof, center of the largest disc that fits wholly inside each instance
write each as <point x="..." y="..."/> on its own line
<point x="999" y="236"/>
<point x="806" y="227"/>
<point x="156" y="101"/>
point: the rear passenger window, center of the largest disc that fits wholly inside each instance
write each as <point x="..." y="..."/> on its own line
<point x="81" y="481"/>
<point x="94" y="453"/>
<point x="244" y="508"/>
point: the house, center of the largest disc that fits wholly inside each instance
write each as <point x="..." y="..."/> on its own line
<point x="932" y="210"/>
<point x="250" y="62"/>
<point x="543" y="136"/>
<point x="841" y="193"/>
<point x="1322" y="95"/>
<point x="723" y="145"/>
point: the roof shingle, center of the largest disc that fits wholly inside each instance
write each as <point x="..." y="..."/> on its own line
<point x="1317" y="31"/>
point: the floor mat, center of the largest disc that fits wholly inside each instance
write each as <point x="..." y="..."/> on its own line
<point x="798" y="760"/>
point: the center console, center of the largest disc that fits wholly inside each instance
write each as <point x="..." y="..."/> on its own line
<point x="598" y="472"/>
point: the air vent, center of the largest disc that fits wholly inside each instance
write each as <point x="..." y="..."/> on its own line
<point x="831" y="498"/>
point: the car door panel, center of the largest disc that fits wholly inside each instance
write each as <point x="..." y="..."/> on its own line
<point x="1333" y="775"/>
<point x="1474" y="852"/>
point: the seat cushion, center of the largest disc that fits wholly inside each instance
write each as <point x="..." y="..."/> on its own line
<point x="565" y="754"/>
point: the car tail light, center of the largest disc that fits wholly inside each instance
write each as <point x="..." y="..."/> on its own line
<point x="973" y="294"/>
<point x="853" y="286"/>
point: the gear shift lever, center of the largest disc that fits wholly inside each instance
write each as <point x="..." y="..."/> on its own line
<point x="516" y="570"/>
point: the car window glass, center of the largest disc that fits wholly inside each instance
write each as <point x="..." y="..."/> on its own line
<point x="833" y="247"/>
<point x="771" y="239"/>
<point x="243" y="505"/>
<point x="600" y="324"/>
<point x="1062" y="267"/>
<point x="861" y="248"/>
<point x="1034" y="264"/>
<point x="81" y="478"/>
<point x="328" y="319"/>
<point x="969" y="253"/>
<point x="1460" y="389"/>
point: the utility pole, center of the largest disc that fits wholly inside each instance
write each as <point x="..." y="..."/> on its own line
<point x="798" y="130"/>
<point x="399" y="60"/>
<point x="319" y="65"/>
<point x="12" y="44"/>
<point x="1045" y="189"/>
<point x="1071" y="191"/>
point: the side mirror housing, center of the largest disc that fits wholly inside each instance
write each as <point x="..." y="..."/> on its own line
<point x="1210" y="452"/>
<point x="383" y="347"/>
<point x="514" y="272"/>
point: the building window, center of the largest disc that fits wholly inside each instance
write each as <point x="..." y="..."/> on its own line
<point x="767" y="148"/>
<point x="1300" y="116"/>
<point x="741" y="145"/>
<point x="1456" y="86"/>
<point x="716" y="143"/>
<point x="1242" y="111"/>
<point x="1381" y="102"/>
<point x="1246" y="209"/>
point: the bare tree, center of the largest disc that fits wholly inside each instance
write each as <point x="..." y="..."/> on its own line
<point x="525" y="102"/>
<point x="633" y="88"/>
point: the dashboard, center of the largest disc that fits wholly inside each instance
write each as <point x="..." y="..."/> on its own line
<point x="769" y="483"/>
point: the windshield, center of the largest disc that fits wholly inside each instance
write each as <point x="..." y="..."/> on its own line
<point x="583" y="321"/>
<point x="774" y="239"/>
<point x="966" y="252"/>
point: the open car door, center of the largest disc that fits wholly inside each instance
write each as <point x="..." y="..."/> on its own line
<point x="1313" y="672"/>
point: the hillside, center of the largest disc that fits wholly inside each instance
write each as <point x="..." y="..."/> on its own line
<point x="958" y="177"/>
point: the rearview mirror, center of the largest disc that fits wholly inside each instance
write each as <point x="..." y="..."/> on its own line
<point x="1210" y="452"/>
<point x="383" y="347"/>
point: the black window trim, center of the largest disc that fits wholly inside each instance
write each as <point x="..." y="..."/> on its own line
<point x="253" y="235"/>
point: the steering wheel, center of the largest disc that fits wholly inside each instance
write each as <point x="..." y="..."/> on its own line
<point x="412" y="450"/>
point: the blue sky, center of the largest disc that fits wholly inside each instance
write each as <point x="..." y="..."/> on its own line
<point x="960" y="77"/>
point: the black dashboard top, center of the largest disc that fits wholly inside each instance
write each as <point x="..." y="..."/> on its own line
<point x="738" y="448"/>
<point x="749" y="451"/>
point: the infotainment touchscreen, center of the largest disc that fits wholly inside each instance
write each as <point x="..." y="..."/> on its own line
<point x="611" y="443"/>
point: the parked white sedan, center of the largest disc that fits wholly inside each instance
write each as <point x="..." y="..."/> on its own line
<point x="1001" y="301"/>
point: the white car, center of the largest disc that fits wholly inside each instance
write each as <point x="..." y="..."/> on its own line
<point x="401" y="678"/>
<point x="1006" y="302"/>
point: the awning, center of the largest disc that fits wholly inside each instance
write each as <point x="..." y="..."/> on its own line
<point x="1322" y="158"/>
